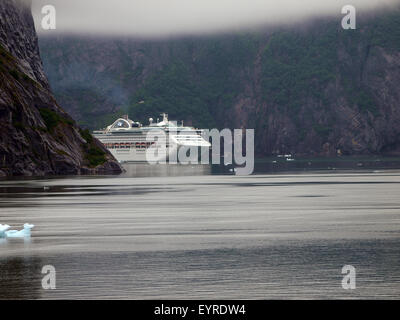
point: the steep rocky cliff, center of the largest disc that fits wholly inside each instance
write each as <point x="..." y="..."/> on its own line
<point x="312" y="89"/>
<point x="36" y="136"/>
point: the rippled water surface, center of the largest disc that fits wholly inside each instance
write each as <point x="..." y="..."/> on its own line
<point x="180" y="232"/>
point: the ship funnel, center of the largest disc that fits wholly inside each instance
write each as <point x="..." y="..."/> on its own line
<point x="165" y="117"/>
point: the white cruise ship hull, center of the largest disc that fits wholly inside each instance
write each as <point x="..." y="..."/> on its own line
<point x="155" y="143"/>
<point x="140" y="154"/>
<point x="135" y="147"/>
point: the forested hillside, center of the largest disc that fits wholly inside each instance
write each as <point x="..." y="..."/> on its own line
<point x="312" y="89"/>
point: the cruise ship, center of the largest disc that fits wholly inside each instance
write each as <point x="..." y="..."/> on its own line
<point x="130" y="141"/>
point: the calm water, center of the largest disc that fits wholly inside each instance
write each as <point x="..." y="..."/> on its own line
<point x="181" y="232"/>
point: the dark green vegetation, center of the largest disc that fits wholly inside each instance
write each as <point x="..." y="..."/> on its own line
<point x="53" y="119"/>
<point x="311" y="89"/>
<point x="93" y="154"/>
<point x="298" y="65"/>
<point x="187" y="88"/>
<point x="8" y="65"/>
<point x="192" y="89"/>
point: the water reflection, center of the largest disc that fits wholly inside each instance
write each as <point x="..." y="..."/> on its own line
<point x="163" y="170"/>
<point x="287" y="269"/>
<point x="20" y="277"/>
<point x="185" y="233"/>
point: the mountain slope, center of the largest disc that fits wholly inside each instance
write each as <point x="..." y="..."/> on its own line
<point x="36" y="136"/>
<point x="313" y="89"/>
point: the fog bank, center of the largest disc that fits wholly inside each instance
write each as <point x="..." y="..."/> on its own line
<point x="154" y="18"/>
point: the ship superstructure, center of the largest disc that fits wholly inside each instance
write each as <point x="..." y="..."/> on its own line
<point x="129" y="141"/>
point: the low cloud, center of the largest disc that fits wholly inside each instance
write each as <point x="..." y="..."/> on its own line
<point x="154" y="18"/>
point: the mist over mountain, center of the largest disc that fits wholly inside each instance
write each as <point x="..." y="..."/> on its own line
<point x="309" y="89"/>
<point x="161" y="18"/>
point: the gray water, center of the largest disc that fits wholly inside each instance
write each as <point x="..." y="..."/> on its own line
<point x="179" y="232"/>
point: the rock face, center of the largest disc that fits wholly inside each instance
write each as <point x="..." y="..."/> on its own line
<point x="314" y="89"/>
<point x="36" y="136"/>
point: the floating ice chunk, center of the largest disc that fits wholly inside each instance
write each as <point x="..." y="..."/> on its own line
<point x="3" y="229"/>
<point x="24" y="233"/>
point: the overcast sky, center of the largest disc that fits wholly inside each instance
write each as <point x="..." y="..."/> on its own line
<point x="178" y="17"/>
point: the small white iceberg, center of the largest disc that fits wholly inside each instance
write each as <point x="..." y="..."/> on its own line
<point x="3" y="229"/>
<point x="24" y="233"/>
